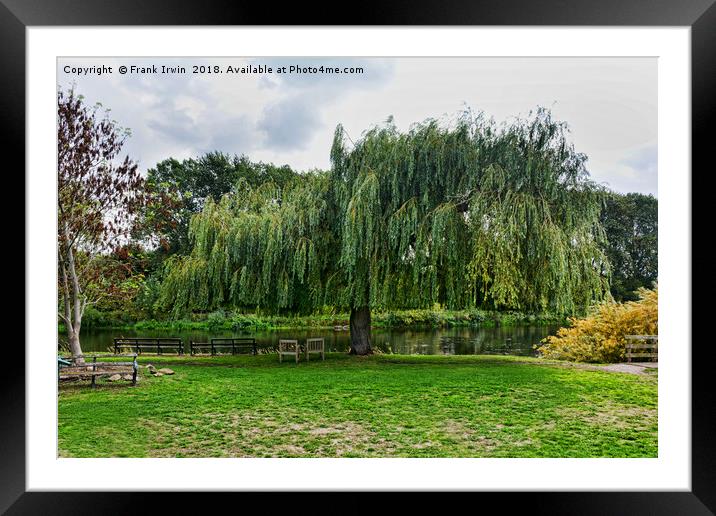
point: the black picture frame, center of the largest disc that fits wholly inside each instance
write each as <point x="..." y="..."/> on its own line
<point x="700" y="15"/>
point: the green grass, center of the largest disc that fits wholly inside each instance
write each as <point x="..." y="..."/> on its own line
<point x="377" y="406"/>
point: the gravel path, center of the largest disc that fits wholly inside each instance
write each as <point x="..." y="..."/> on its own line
<point x="632" y="368"/>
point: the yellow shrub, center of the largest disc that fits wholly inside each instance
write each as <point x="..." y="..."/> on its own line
<point x="600" y="336"/>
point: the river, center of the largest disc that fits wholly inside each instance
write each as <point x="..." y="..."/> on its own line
<point x="505" y="340"/>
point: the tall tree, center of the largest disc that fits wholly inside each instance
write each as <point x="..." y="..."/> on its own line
<point x="97" y="197"/>
<point x="632" y="229"/>
<point x="466" y="215"/>
<point x="185" y="185"/>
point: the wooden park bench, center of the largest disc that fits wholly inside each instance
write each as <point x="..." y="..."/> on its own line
<point x="238" y="345"/>
<point x="288" y="347"/>
<point x="315" y="346"/>
<point x="642" y="347"/>
<point x="69" y="370"/>
<point x="293" y="348"/>
<point x="139" y="345"/>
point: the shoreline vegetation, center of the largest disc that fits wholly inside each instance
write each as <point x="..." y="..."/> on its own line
<point x="237" y="321"/>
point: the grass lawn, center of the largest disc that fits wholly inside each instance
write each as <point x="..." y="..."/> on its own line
<point x="377" y="406"/>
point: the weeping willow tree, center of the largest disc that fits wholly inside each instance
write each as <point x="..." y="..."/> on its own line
<point x="467" y="214"/>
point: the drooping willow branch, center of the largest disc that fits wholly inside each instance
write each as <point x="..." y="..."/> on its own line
<point x="467" y="215"/>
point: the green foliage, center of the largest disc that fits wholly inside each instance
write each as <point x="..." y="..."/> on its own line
<point x="127" y="283"/>
<point x="236" y="320"/>
<point x="94" y="318"/>
<point x="447" y="318"/>
<point x="257" y="248"/>
<point x="600" y="336"/>
<point x="466" y="216"/>
<point x="631" y="225"/>
<point x="146" y="300"/>
<point x="189" y="183"/>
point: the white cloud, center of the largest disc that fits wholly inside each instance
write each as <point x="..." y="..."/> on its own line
<point x="609" y="104"/>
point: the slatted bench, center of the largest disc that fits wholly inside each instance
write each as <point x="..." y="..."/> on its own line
<point x="237" y="345"/>
<point x="288" y="347"/>
<point x="68" y="369"/>
<point x="292" y="347"/>
<point x="315" y="346"/>
<point x="197" y="348"/>
<point x="139" y="345"/>
<point x="642" y="347"/>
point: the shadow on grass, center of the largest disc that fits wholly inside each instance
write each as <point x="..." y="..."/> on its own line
<point x="101" y="386"/>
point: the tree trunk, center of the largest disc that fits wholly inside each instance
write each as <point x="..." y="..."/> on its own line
<point x="360" y="331"/>
<point x="75" y="309"/>
<point x="73" y="338"/>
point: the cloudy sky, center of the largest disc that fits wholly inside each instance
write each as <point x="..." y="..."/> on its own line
<point x="610" y="105"/>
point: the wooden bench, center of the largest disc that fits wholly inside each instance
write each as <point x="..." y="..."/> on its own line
<point x="140" y="344"/>
<point x="315" y="346"/>
<point x="293" y="348"/>
<point x="642" y="346"/>
<point x="288" y="347"/>
<point x="236" y="345"/>
<point x="68" y="369"/>
<point x="196" y="348"/>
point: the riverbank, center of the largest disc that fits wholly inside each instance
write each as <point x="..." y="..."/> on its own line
<point x="375" y="406"/>
<point x="235" y="321"/>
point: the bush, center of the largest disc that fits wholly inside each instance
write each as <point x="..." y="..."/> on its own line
<point x="241" y="322"/>
<point x="215" y="320"/>
<point x="600" y="336"/>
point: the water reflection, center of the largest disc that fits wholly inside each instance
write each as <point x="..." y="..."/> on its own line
<point x="513" y="340"/>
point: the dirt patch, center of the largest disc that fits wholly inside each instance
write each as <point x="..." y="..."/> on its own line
<point x="290" y="450"/>
<point x="623" y="368"/>
<point x="457" y="429"/>
<point x="638" y="368"/>
<point x="613" y="415"/>
<point x="477" y="442"/>
<point x="240" y="434"/>
<point x="325" y="431"/>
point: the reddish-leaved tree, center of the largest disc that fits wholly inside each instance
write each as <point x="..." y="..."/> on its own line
<point x="98" y="198"/>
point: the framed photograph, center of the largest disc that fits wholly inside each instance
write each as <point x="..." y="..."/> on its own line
<point x="419" y="252"/>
